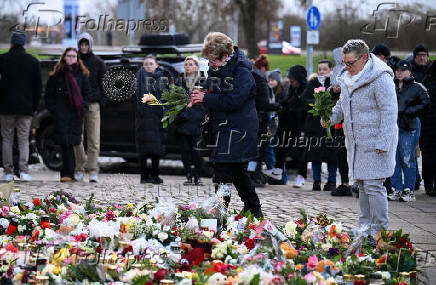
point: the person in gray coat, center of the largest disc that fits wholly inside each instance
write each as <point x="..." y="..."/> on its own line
<point x="368" y="106"/>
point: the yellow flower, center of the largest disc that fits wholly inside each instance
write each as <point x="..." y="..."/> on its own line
<point x="56" y="270"/>
<point x="239" y="270"/>
<point x="130" y="206"/>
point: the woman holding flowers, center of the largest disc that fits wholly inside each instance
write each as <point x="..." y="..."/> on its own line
<point x="188" y="122"/>
<point x="148" y="126"/>
<point x="67" y="98"/>
<point x="231" y="103"/>
<point x="319" y="148"/>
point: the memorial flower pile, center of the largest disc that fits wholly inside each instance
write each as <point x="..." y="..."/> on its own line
<point x="57" y="239"/>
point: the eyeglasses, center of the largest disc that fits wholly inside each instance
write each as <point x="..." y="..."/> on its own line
<point x="71" y="56"/>
<point x="421" y="55"/>
<point x="350" y="64"/>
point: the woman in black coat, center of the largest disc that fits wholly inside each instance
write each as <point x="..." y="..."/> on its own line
<point x="291" y="125"/>
<point x="319" y="148"/>
<point x="230" y="100"/>
<point x="427" y="141"/>
<point x="189" y="121"/>
<point x="150" y="79"/>
<point x="67" y="98"/>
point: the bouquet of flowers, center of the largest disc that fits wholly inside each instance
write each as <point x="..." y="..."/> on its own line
<point x="323" y="106"/>
<point x="177" y="100"/>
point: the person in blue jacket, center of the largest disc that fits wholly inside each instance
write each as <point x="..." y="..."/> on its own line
<point x="230" y="100"/>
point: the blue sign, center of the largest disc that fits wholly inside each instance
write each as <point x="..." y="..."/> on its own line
<point x="313" y="18"/>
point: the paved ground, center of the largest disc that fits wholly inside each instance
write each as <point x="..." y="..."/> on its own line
<point x="279" y="203"/>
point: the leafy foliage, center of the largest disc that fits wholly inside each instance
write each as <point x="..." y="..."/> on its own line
<point x="177" y="99"/>
<point x="323" y="107"/>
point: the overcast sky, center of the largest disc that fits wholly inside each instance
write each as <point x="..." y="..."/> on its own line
<point x="289" y="6"/>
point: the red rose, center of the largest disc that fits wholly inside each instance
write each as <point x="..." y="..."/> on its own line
<point x="11" y="229"/>
<point x="238" y="217"/>
<point x="36" y="202"/>
<point x="159" y="275"/>
<point x="249" y="243"/>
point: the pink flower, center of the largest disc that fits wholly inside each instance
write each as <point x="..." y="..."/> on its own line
<point x="4" y="211"/>
<point x="310" y="278"/>
<point x="110" y="215"/>
<point x="319" y="89"/>
<point x="312" y="262"/>
<point x="278" y="267"/>
<point x="291" y="275"/>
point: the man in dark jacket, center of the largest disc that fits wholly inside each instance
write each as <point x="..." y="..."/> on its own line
<point x="420" y="63"/>
<point x="412" y="101"/>
<point x="20" y="91"/>
<point x="230" y="100"/>
<point x="91" y="121"/>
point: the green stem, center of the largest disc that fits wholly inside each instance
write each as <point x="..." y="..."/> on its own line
<point x="329" y="133"/>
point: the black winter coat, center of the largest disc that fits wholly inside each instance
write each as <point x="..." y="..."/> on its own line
<point x="427" y="141"/>
<point x="319" y="148"/>
<point x="20" y="82"/>
<point x="148" y="125"/>
<point x="233" y="111"/>
<point x="97" y="69"/>
<point x="412" y="101"/>
<point x="189" y="121"/>
<point x="419" y="71"/>
<point x="264" y="99"/>
<point x="68" y="125"/>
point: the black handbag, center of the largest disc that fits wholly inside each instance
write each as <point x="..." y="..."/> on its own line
<point x="203" y="146"/>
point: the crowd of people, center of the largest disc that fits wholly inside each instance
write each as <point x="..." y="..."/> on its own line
<point x="382" y="121"/>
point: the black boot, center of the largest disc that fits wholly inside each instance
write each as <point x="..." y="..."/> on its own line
<point x="197" y="181"/>
<point x="188" y="179"/>
<point x="330" y="186"/>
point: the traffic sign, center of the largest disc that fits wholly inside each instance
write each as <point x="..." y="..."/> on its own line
<point x="312" y="37"/>
<point x="313" y="18"/>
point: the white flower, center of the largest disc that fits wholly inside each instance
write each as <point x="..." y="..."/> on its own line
<point x="103" y="229"/>
<point x="162" y="236"/>
<point x="31" y="216"/>
<point x="20" y="228"/>
<point x="291" y="228"/>
<point x="149" y="222"/>
<point x="242" y="249"/>
<point x="208" y="234"/>
<point x="166" y="228"/>
<point x="15" y="210"/>
<point x="326" y="246"/>
<point x="384" y="274"/>
<point x="155" y="233"/>
<point x="72" y="221"/>
<point x="4" y="223"/>
<point x="29" y="205"/>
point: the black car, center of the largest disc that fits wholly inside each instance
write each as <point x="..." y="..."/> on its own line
<point x="117" y="131"/>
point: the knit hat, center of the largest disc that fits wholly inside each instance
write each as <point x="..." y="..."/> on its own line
<point x="275" y="74"/>
<point x="299" y="73"/>
<point x="381" y="49"/>
<point x="18" y="38"/>
<point x="404" y="64"/>
<point x="418" y="49"/>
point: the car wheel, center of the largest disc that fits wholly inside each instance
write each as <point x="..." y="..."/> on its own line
<point x="50" y="152"/>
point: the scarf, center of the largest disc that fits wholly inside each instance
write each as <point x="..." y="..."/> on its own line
<point x="191" y="80"/>
<point x="350" y="80"/>
<point x="73" y="89"/>
<point x="322" y="78"/>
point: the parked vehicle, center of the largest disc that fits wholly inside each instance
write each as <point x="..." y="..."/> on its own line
<point x="117" y="135"/>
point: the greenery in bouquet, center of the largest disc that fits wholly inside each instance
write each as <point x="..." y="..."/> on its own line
<point x="396" y="252"/>
<point x="177" y="100"/>
<point x="323" y="106"/>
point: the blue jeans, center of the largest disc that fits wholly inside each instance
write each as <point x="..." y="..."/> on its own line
<point x="405" y="161"/>
<point x="270" y="155"/>
<point x="316" y="171"/>
<point x="417" y="135"/>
